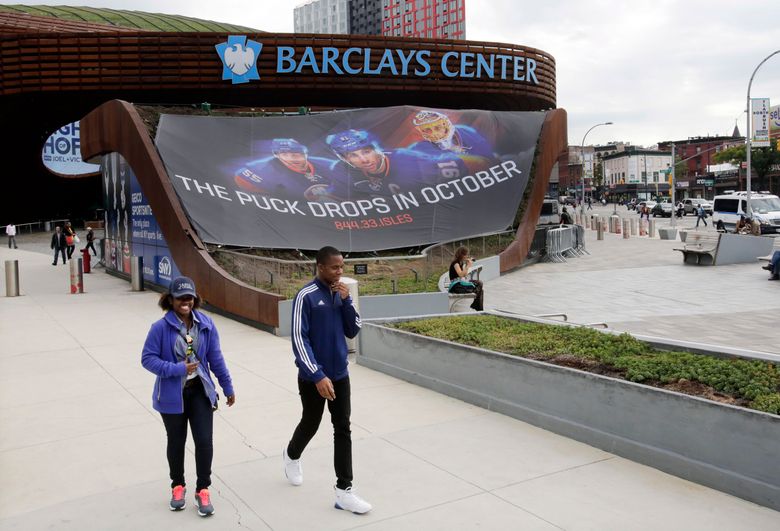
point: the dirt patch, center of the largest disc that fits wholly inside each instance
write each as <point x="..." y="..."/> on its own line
<point x="701" y="390"/>
<point x="686" y="387"/>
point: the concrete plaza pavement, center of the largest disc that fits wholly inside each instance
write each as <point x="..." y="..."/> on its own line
<point x="81" y="448"/>
<point x="641" y="285"/>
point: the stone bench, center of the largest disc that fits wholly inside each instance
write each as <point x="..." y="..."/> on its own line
<point x="714" y="248"/>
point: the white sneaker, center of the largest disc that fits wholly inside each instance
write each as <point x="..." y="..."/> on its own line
<point x="347" y="500"/>
<point x="292" y="469"/>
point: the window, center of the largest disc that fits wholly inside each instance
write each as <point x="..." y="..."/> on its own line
<point x="726" y="205"/>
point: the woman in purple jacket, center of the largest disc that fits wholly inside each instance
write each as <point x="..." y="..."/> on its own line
<point x="182" y="349"/>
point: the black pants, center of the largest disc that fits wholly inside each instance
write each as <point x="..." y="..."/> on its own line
<point x="91" y="245"/>
<point x="12" y="241"/>
<point x="71" y="248"/>
<point x="340" y="409"/>
<point x="699" y="218"/>
<point x="198" y="411"/>
<point x="57" y="251"/>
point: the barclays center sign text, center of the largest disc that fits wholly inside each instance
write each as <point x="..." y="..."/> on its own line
<point x="239" y="59"/>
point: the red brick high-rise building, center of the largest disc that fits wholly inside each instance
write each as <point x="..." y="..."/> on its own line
<point x="437" y="19"/>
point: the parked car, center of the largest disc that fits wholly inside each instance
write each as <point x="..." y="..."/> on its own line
<point x="568" y="200"/>
<point x="664" y="209"/>
<point x="692" y="205"/>
<point x="764" y="207"/>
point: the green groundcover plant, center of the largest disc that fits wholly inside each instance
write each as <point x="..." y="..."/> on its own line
<point x="754" y="384"/>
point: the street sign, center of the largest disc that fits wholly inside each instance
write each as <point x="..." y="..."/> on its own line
<point x="361" y="269"/>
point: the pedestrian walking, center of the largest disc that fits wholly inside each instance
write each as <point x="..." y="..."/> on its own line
<point x="70" y="238"/>
<point x="680" y="209"/>
<point x="90" y="241"/>
<point x="182" y="349"/>
<point x="58" y="244"/>
<point x="701" y="215"/>
<point x="590" y="203"/>
<point x="10" y="231"/>
<point x="322" y="315"/>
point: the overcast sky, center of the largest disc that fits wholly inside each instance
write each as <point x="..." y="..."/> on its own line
<point x="658" y="69"/>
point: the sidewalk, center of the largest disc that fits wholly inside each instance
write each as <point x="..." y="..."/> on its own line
<point x="81" y="448"/>
<point x="641" y="285"/>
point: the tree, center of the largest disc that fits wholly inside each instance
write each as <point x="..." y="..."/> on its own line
<point x="761" y="161"/>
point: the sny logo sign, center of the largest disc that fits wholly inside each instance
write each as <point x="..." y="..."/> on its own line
<point x="239" y="59"/>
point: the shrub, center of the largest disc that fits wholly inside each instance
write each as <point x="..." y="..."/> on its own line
<point x="755" y="381"/>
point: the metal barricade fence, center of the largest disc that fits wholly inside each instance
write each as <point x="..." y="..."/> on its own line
<point x="559" y="242"/>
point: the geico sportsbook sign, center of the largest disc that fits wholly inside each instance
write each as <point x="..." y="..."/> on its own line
<point x="239" y="57"/>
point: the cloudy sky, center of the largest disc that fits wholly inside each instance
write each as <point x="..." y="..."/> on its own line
<point x="658" y="69"/>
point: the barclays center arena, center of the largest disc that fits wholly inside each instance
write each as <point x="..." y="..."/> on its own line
<point x="211" y="139"/>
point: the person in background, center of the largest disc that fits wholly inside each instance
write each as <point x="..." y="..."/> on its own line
<point x="322" y="315"/>
<point x="680" y="209"/>
<point x="701" y="215"/>
<point x="182" y="349"/>
<point x="566" y="217"/>
<point x="10" y="231"/>
<point x="742" y="226"/>
<point x="774" y="266"/>
<point x="70" y="239"/>
<point x="90" y="241"/>
<point x="460" y="267"/>
<point x="59" y="245"/>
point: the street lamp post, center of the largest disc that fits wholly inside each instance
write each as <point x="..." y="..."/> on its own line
<point x="582" y="154"/>
<point x="748" y="131"/>
<point x="671" y="193"/>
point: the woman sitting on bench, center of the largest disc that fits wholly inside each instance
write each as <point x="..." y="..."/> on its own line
<point x="459" y="283"/>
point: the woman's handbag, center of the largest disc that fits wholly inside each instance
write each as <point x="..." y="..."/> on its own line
<point x="69" y="240"/>
<point x="461" y="286"/>
<point x="76" y="238"/>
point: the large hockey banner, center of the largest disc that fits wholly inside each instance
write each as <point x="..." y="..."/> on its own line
<point x="359" y="180"/>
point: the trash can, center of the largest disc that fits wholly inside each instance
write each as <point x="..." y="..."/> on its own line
<point x="87" y="259"/>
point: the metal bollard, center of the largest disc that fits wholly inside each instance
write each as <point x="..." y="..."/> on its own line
<point x="626" y="229"/>
<point x="600" y="233"/>
<point x="587" y="222"/>
<point x="651" y="230"/>
<point x="594" y="222"/>
<point x="616" y="223"/>
<point x="12" y="278"/>
<point x="352" y="285"/>
<point x="137" y="273"/>
<point x="634" y="226"/>
<point x="76" y="276"/>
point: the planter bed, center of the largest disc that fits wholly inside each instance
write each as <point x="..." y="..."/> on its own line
<point x="571" y="381"/>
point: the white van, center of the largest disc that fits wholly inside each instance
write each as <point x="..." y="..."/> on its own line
<point x="765" y="209"/>
<point x="550" y="214"/>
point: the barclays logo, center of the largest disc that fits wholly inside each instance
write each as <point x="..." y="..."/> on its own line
<point x="239" y="59"/>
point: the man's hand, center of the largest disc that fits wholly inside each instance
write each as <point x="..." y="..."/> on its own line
<point x="191" y="367"/>
<point x="341" y="289"/>
<point x="325" y="388"/>
<point x="231" y="400"/>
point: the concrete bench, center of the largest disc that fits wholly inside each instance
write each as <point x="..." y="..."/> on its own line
<point x="455" y="298"/>
<point x="700" y="246"/>
<point x="708" y="248"/>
